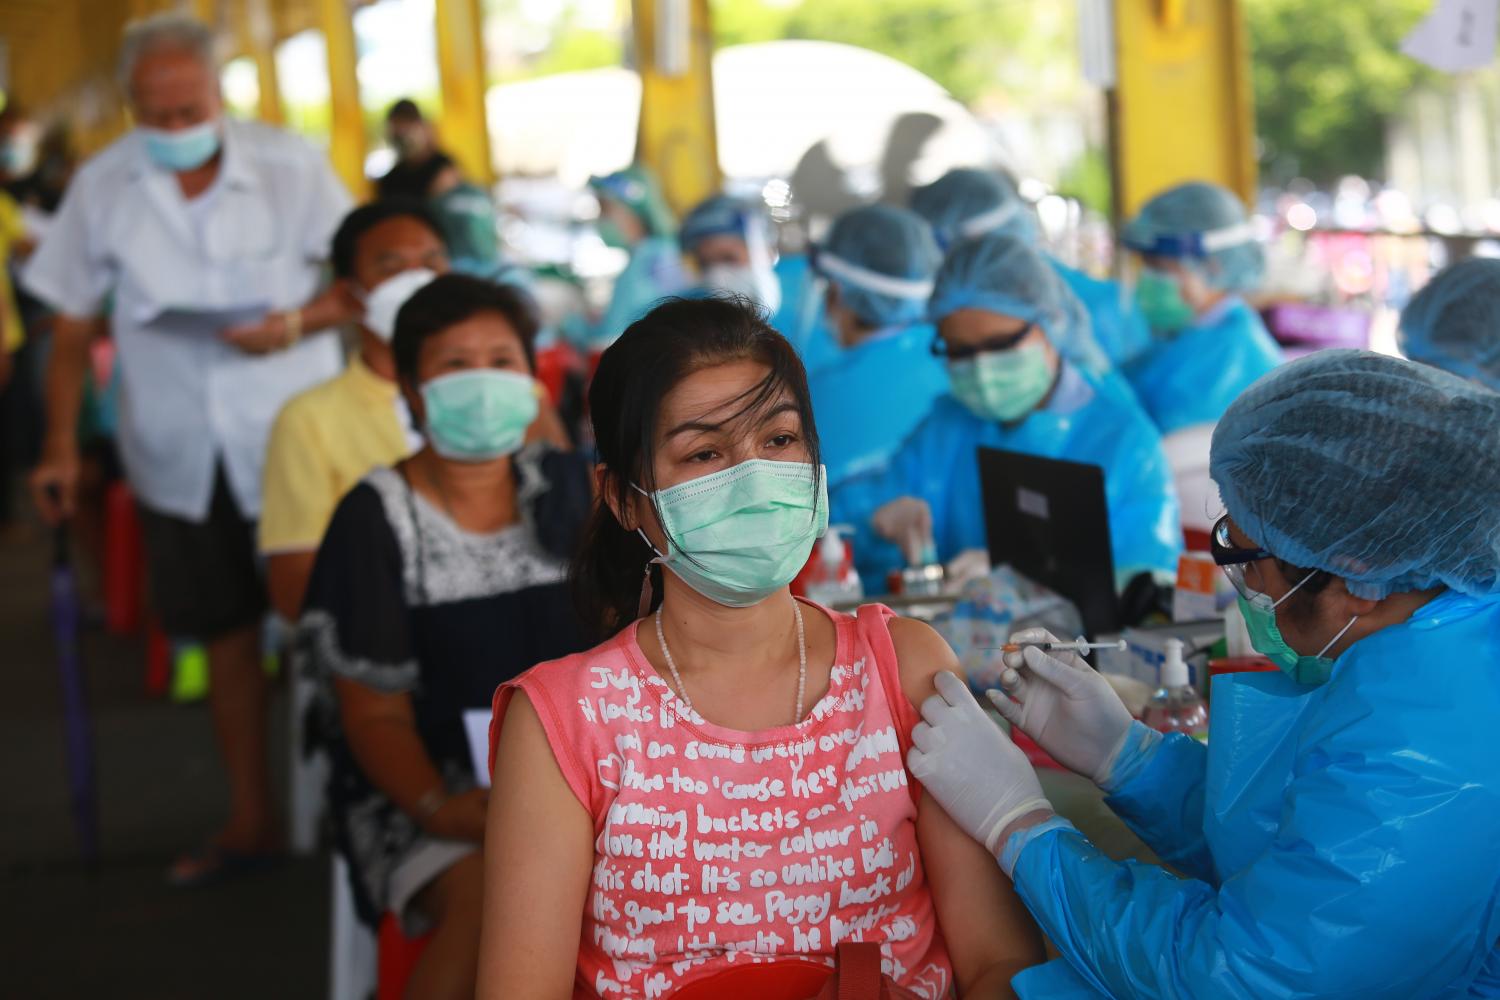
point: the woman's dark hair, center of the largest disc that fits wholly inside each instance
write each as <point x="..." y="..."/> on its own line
<point x="674" y="340"/>
<point x="450" y="299"/>
<point x="345" y="246"/>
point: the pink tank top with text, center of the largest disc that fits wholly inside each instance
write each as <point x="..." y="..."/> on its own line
<point x="714" y="846"/>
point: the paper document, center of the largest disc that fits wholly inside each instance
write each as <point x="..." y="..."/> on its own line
<point x="477" y="725"/>
<point x="1458" y="35"/>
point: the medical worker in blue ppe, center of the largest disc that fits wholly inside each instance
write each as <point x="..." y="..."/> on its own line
<point x="1454" y="323"/>
<point x="634" y="216"/>
<point x="1010" y="342"/>
<point x="730" y="244"/>
<point x="879" y="262"/>
<point x="1336" y="837"/>
<point x="1198" y="254"/>
<point x="965" y="203"/>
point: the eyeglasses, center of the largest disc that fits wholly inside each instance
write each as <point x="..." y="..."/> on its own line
<point x="1002" y="342"/>
<point x="1233" y="560"/>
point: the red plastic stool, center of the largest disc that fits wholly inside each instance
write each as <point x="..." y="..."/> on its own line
<point x="553" y="366"/>
<point x="124" y="561"/>
<point x="398" y="955"/>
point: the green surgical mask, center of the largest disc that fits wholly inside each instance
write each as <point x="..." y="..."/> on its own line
<point x="612" y="235"/>
<point x="1260" y="622"/>
<point x="740" y="535"/>
<point x="1160" y="300"/>
<point x="477" y="415"/>
<point x="1003" y="386"/>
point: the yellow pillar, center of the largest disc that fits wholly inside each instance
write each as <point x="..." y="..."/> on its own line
<point x="347" y="127"/>
<point x="1182" y="109"/>
<point x="677" y="138"/>
<point x="463" y="129"/>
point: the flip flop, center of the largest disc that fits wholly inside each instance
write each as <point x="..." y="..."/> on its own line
<point x="212" y="865"/>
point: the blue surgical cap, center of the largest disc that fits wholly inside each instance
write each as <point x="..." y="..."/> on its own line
<point x="1003" y="274"/>
<point x="1454" y="323"/>
<point x="1201" y="222"/>
<point x="1375" y="469"/>
<point x="966" y="202"/>
<point x="636" y="188"/>
<point x="882" y="259"/>
<point x="720" y="215"/>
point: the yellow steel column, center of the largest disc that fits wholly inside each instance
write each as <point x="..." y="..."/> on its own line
<point x="677" y="139"/>
<point x="1182" y="108"/>
<point x="463" y="129"/>
<point x="347" y="127"/>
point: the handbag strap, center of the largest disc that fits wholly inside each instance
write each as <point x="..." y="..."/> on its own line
<point x="859" y="970"/>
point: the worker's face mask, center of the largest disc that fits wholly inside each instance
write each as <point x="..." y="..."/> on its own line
<point x="480" y="414"/>
<point x="740" y="535"/>
<point x="385" y="300"/>
<point x="1159" y="296"/>
<point x="1260" y="621"/>
<point x="17" y="156"/>
<point x="1003" y="386"/>
<point x="758" y="284"/>
<point x="182" y="149"/>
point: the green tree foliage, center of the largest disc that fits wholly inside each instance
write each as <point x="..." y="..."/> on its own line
<point x="1328" y="76"/>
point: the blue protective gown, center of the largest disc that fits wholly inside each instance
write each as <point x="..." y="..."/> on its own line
<point x="872" y="396"/>
<point x="655" y="271"/>
<point x="1192" y="377"/>
<point x="1085" y="420"/>
<point x="1118" y="326"/>
<point x="1339" y="841"/>
<point x="803" y="318"/>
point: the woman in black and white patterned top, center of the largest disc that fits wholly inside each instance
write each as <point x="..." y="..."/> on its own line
<point x="438" y="580"/>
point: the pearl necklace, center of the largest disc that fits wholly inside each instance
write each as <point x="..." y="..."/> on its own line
<point x="666" y="653"/>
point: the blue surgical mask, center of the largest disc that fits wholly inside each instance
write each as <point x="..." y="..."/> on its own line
<point x="1003" y="386"/>
<point x="1260" y="621"/>
<point x="478" y="415"/>
<point x="182" y="149"/>
<point x="740" y="535"/>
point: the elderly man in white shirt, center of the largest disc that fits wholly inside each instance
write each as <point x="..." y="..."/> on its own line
<point x="200" y="238"/>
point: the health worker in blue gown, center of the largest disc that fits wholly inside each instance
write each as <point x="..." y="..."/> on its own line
<point x="1199" y="256"/>
<point x="1337" y="836"/>
<point x="965" y="203"/>
<point x="634" y="216"/>
<point x="1010" y="335"/>
<point x="879" y="264"/>
<point x="731" y="246"/>
<point x="1454" y="323"/>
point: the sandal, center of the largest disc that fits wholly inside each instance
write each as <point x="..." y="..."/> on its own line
<point x="212" y="864"/>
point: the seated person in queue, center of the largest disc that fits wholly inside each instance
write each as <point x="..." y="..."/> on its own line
<point x="1336" y="838"/>
<point x="1009" y="339"/>
<point x="879" y="263"/>
<point x="634" y="217"/>
<point x="439" y="579"/>
<point x="729" y="242"/>
<point x="965" y="203"/>
<point x="1199" y="257"/>
<point x="325" y="440"/>
<point x="1454" y="323"/>
<point x="719" y="784"/>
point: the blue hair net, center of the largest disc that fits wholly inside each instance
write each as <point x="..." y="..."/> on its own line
<point x="966" y="202"/>
<point x="636" y="188"/>
<point x="1376" y="469"/>
<point x="719" y="215"/>
<point x="1203" y="223"/>
<point x="1003" y="274"/>
<point x="1454" y="323"/>
<point x="882" y="259"/>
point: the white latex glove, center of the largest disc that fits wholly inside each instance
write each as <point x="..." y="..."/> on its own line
<point x="1065" y="705"/>
<point x="971" y="767"/>
<point x="907" y="522"/>
<point x="970" y="564"/>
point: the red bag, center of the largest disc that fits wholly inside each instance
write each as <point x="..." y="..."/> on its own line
<point x="856" y="977"/>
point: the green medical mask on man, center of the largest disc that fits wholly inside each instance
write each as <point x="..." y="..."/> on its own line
<point x="1003" y="386"/>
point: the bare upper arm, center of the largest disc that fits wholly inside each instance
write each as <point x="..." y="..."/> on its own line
<point x="990" y="935"/>
<point x="539" y="854"/>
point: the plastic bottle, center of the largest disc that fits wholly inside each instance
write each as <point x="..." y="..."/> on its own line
<point x="833" y="581"/>
<point x="1176" y="706"/>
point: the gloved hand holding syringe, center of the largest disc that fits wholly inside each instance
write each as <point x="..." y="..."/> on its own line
<point x="1079" y="645"/>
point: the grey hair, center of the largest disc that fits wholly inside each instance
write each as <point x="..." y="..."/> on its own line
<point x="170" y="30"/>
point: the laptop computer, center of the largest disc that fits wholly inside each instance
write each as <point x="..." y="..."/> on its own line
<point x="1049" y="520"/>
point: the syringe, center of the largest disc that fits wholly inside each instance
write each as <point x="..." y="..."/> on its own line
<point x="1079" y="645"/>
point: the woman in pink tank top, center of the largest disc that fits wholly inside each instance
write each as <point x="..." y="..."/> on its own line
<point x="722" y="783"/>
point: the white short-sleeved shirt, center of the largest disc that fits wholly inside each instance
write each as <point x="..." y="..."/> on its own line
<point x="180" y="271"/>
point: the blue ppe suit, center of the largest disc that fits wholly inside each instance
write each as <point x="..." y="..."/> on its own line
<point x="803" y="317"/>
<point x="1084" y="421"/>
<point x="1117" y="325"/>
<point x="872" y="396"/>
<point x="655" y="271"/>
<point x="1339" y="841"/>
<point x="1192" y="377"/>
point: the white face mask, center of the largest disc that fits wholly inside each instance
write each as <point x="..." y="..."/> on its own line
<point x="758" y="284"/>
<point x="385" y="300"/>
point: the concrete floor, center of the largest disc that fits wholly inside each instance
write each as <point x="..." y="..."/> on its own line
<point x="120" y="931"/>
